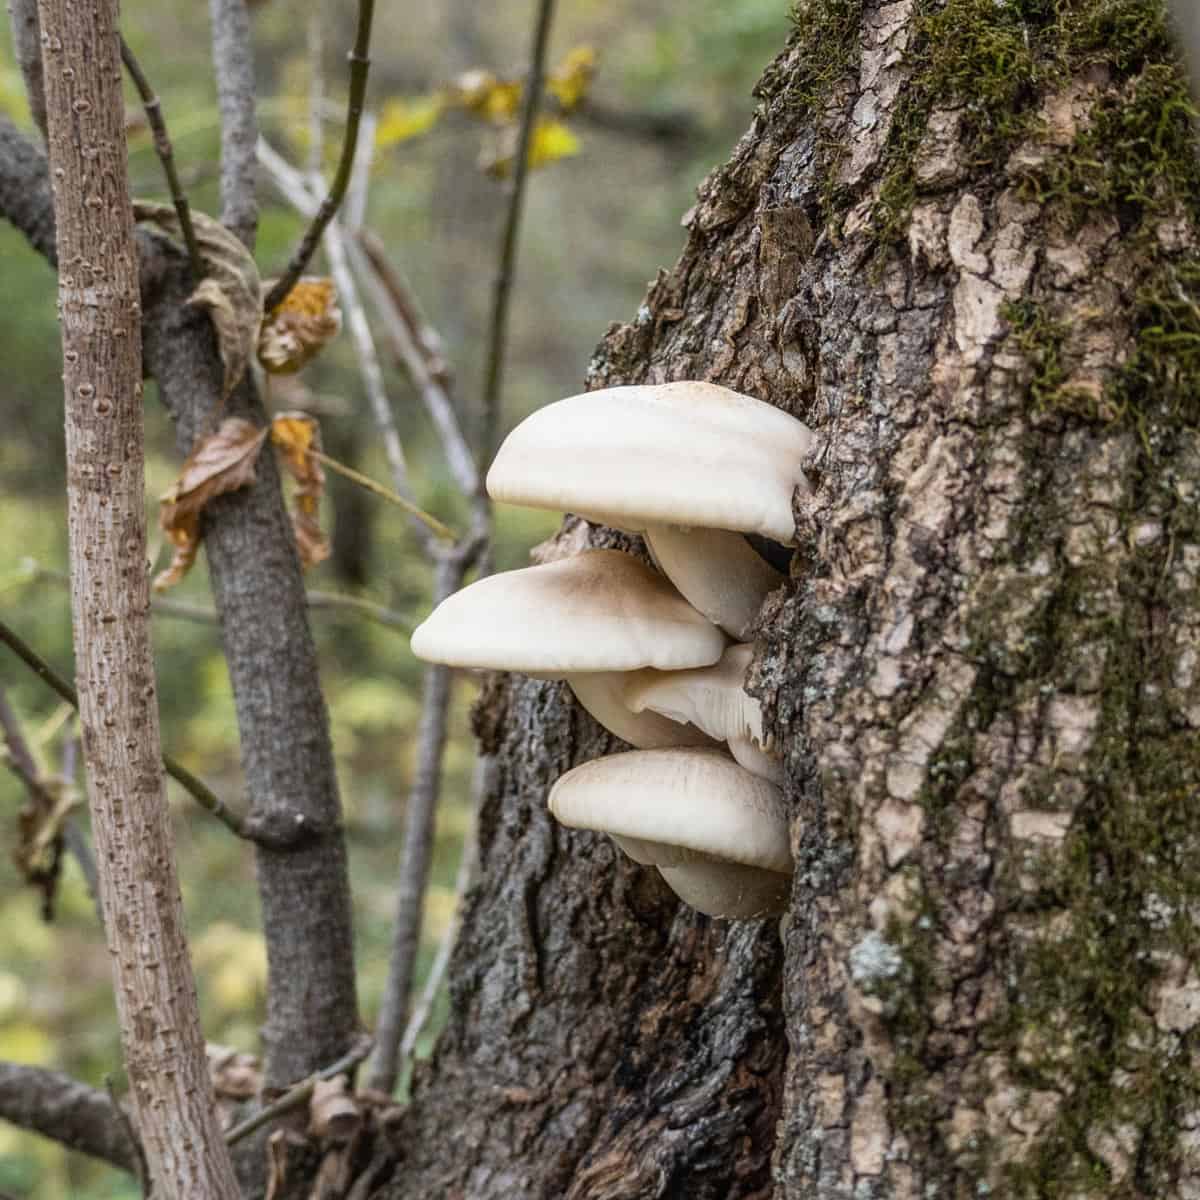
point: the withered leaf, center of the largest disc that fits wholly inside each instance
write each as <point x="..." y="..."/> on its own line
<point x="40" y="822"/>
<point x="296" y="330"/>
<point x="222" y="462"/>
<point x="294" y="435"/>
<point x="332" y="1113"/>
<point x="231" y="290"/>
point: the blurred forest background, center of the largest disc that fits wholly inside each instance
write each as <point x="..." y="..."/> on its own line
<point x="671" y="93"/>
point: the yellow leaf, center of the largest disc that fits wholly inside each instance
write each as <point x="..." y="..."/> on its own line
<point x="296" y="331"/>
<point x="295" y="435"/>
<point x="482" y="93"/>
<point x="551" y="141"/>
<point x="568" y="83"/>
<point x="400" y="120"/>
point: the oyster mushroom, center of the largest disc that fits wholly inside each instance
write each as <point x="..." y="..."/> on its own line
<point x="691" y="466"/>
<point x="716" y="833"/>
<point x="589" y="619"/>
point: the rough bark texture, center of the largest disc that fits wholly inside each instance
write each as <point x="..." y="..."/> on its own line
<point x="960" y="242"/>
<point x="294" y="805"/>
<point x="100" y="315"/>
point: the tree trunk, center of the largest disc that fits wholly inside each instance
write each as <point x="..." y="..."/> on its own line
<point x="960" y="241"/>
<point x="100" y="314"/>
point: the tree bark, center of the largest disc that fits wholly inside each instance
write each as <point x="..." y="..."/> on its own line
<point x="100" y="315"/>
<point x="960" y="242"/>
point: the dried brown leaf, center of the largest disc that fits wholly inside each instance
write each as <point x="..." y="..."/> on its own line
<point x="297" y="330"/>
<point x="332" y="1113"/>
<point x="222" y="462"/>
<point x="231" y="289"/>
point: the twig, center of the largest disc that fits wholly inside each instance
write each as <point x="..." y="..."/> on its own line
<point x="359" y="65"/>
<point x="415" y="511"/>
<point x="360" y="179"/>
<point x="502" y="288"/>
<point x="199" y="791"/>
<point x="295" y="1096"/>
<point x="318" y="601"/>
<point x="166" y="155"/>
<point x="233" y="62"/>
<point x="418" y="349"/>
<point x="413" y="879"/>
<point x="437" y="970"/>
<point x="131" y="1136"/>
<point x="76" y="843"/>
<point x="297" y="191"/>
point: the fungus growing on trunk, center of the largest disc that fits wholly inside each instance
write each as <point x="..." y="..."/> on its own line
<point x="714" y="700"/>
<point x="717" y="834"/>
<point x="589" y="619"/>
<point x="691" y="466"/>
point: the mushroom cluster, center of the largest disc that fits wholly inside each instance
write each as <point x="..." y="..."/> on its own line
<point x="693" y="468"/>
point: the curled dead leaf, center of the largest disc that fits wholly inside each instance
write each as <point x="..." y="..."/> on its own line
<point x="222" y="462"/>
<point x="231" y="290"/>
<point x="38" y="854"/>
<point x="305" y="320"/>
<point x="295" y="435"/>
<point x="332" y="1113"/>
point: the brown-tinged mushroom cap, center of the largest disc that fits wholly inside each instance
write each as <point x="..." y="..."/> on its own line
<point x="692" y="813"/>
<point x="714" y="700"/>
<point x="653" y="458"/>
<point x="586" y="619"/>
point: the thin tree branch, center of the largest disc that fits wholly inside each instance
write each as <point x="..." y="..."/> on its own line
<point x="502" y="287"/>
<point x="73" y="836"/>
<point x="423" y="1009"/>
<point x="360" y="179"/>
<point x="233" y="60"/>
<point x="318" y="601"/>
<point x="359" y="65"/>
<point x="67" y="1111"/>
<point x="295" y="188"/>
<point x="413" y="880"/>
<point x="166" y="154"/>
<point x="197" y="789"/>
<point x="416" y="347"/>
<point x="27" y="48"/>
<point x="297" y="1095"/>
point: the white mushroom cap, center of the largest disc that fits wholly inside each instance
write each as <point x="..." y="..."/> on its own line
<point x="714" y="700"/>
<point x="669" y="454"/>
<point x="667" y="460"/>
<point x="582" y="619"/>
<point x="692" y="813"/>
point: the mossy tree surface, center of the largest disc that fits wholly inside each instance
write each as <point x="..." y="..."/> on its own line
<point x="959" y="241"/>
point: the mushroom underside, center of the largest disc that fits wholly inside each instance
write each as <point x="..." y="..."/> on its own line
<point x="718" y="572"/>
<point x="600" y="692"/>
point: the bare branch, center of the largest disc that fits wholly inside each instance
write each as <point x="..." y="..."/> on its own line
<point x="79" y="1117"/>
<point x="166" y="154"/>
<point x="418" y="348"/>
<point x="360" y="180"/>
<point x="27" y="47"/>
<point x="359" y="65"/>
<point x="233" y="59"/>
<point x="198" y="790"/>
<point x="502" y="287"/>
<point x="297" y="1095"/>
<point x="417" y="853"/>
<point x="73" y="836"/>
<point x="296" y="190"/>
<point x="423" y="1009"/>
